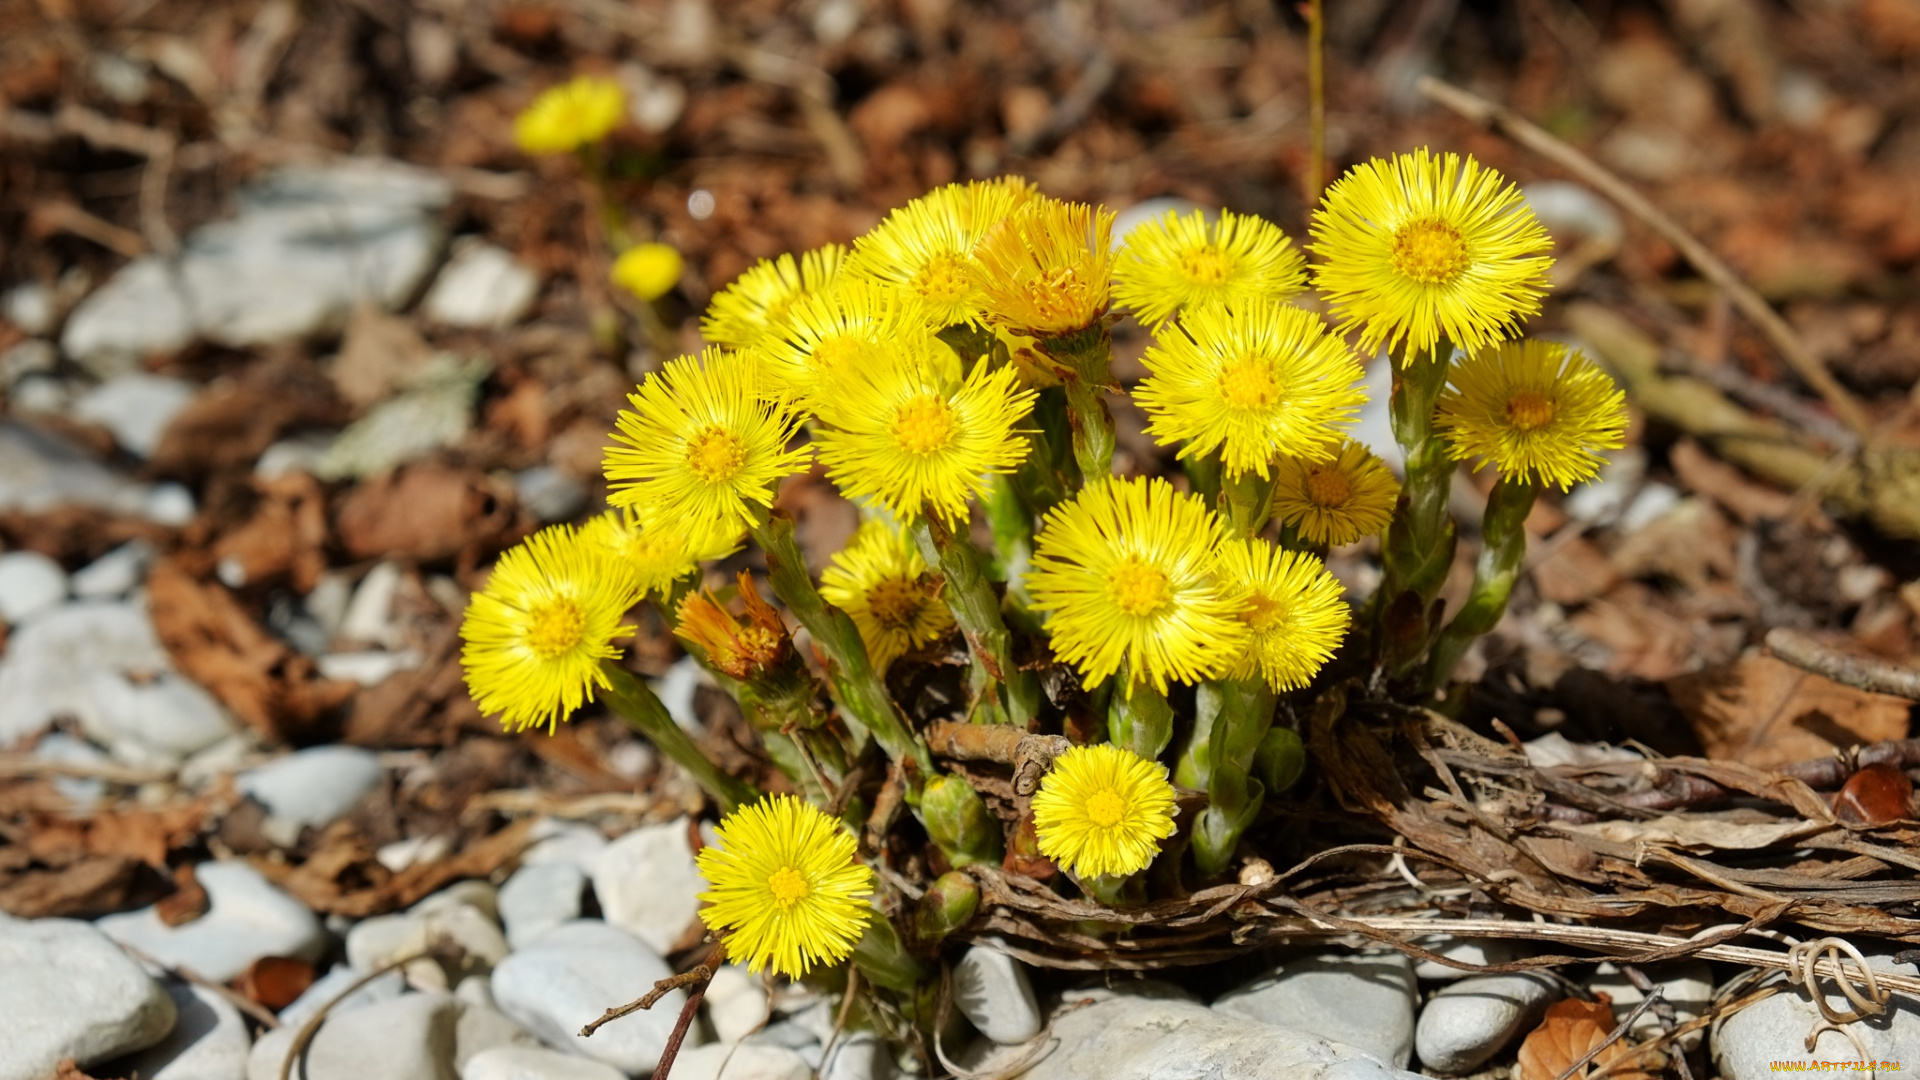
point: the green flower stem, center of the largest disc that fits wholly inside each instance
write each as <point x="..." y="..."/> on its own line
<point x="1195" y="765"/>
<point x="1083" y="362"/>
<point x="1291" y="540"/>
<point x="1012" y="526"/>
<point x="1420" y="540"/>
<point x="1048" y="472"/>
<point x="636" y="704"/>
<point x="1233" y="795"/>
<point x="1139" y="718"/>
<point x="851" y="674"/>
<point x="976" y="607"/>
<point x="1246" y="500"/>
<point x="1503" y="552"/>
<point x="883" y="958"/>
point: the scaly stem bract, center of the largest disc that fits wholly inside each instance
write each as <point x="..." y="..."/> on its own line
<point x="1503" y="552"/>
<point x="1233" y="795"/>
<point x="1139" y="717"/>
<point x="976" y="607"/>
<point x="1083" y="361"/>
<point x="638" y="706"/>
<point x="850" y="672"/>
<point x="1246" y="500"/>
<point x="1420" y="540"/>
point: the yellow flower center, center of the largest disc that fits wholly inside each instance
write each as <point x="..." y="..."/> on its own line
<point x="555" y="629"/>
<point x="1328" y="487"/>
<point x="1248" y="383"/>
<point x="944" y="279"/>
<point x="1138" y="589"/>
<point x="1205" y="266"/>
<point x="1105" y="808"/>
<point x="924" y="425"/>
<point x="788" y="887"/>
<point x="894" y="602"/>
<point x="1263" y="611"/>
<point x="715" y="456"/>
<point x="1528" y="410"/>
<point x="1431" y="252"/>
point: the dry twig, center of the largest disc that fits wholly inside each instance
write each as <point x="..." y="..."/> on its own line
<point x="1803" y="650"/>
<point x="695" y="981"/>
<point x="1750" y="303"/>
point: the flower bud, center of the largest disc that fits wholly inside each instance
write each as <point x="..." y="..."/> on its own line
<point x="949" y="904"/>
<point x="958" y="821"/>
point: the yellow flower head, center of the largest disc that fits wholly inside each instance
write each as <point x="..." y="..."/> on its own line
<point x="847" y="325"/>
<point x="758" y="300"/>
<point x="1045" y="270"/>
<point x="742" y="650"/>
<point x="881" y="582"/>
<point x="1173" y="263"/>
<point x="648" y="271"/>
<point x="1103" y="810"/>
<point x="701" y="444"/>
<point x="910" y="435"/>
<point x="566" y="117"/>
<point x="1291" y="607"/>
<point x="1337" y="501"/>
<point x="926" y="247"/>
<point x="787" y="890"/>
<point x="533" y="638"/>
<point x="656" y="556"/>
<point x="1421" y="247"/>
<point x="1255" y="381"/>
<point x="1124" y="572"/>
<point x="1537" y="410"/>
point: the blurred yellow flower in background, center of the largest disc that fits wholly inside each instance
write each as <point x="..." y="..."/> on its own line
<point x="566" y="117"/>
<point x="648" y="271"/>
<point x="1535" y="409"/>
<point x="1174" y="263"/>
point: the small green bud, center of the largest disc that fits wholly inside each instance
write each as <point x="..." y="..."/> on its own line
<point x="949" y="904"/>
<point x="958" y="821"/>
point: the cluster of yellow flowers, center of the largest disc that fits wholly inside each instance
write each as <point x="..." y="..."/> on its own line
<point x="954" y="357"/>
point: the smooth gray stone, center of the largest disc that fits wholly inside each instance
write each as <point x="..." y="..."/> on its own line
<point x="1776" y="1029"/>
<point x="334" y="983"/>
<point x="993" y="991"/>
<point x="210" y="1041"/>
<point x="136" y="408"/>
<point x="535" y="1063"/>
<point x="1138" y="1038"/>
<point x="313" y="786"/>
<point x="1469" y="1021"/>
<point x="68" y="992"/>
<point x="248" y="918"/>
<point x="407" y="1038"/>
<point x="577" y="972"/>
<point x="30" y="583"/>
<point x="1365" y="1001"/>
<point x="538" y="898"/>
<point x="49" y="660"/>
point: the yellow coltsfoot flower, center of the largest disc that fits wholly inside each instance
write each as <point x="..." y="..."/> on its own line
<point x="926" y="247"/>
<point x="566" y="117"/>
<point x="655" y="556"/>
<point x="1336" y="501"/>
<point x="534" y="637"/>
<point x="1046" y="270"/>
<point x="1291" y="607"/>
<point x="1535" y="409"/>
<point x="881" y="582"/>
<point x="846" y="326"/>
<point x="702" y="445"/>
<point x="1422" y="247"/>
<point x="648" y="271"/>
<point x="1124" y="573"/>
<point x="1103" y="810"/>
<point x="910" y="435"/>
<point x="1255" y="381"/>
<point x="757" y="301"/>
<point x="787" y="891"/>
<point x="1175" y="263"/>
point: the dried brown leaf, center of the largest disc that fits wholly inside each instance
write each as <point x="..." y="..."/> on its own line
<point x="1765" y="712"/>
<point x="1571" y="1030"/>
